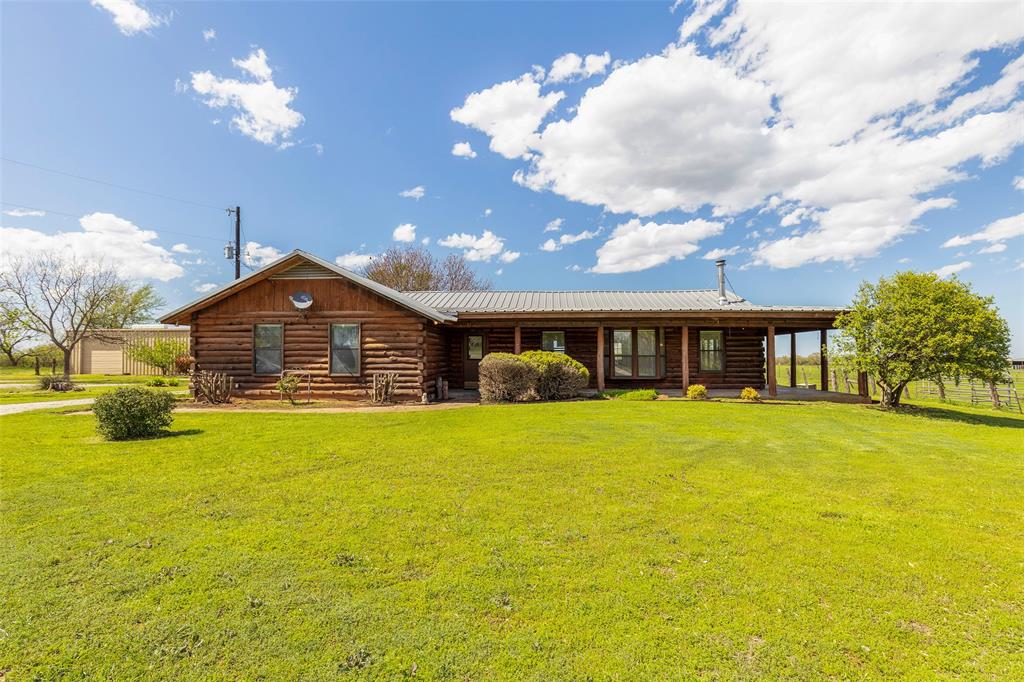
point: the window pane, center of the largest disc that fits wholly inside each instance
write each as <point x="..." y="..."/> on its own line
<point x="646" y="341"/>
<point x="268" y="335"/>
<point x="646" y="365"/>
<point x="553" y="341"/>
<point x="623" y="365"/>
<point x="344" y="336"/>
<point x="622" y="342"/>
<point x="475" y="347"/>
<point x="711" y="351"/>
<point x="345" y="361"/>
<point x="268" y="361"/>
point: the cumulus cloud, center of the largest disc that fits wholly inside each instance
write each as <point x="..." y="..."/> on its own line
<point x="570" y="66"/>
<point x="130" y="17"/>
<point x="262" y="108"/>
<point x="257" y="255"/>
<point x="998" y="247"/>
<point x="509" y="113"/>
<point x="487" y="212"/>
<point x="555" y="225"/>
<point x="715" y="254"/>
<point x="406" y="232"/>
<point x="755" y="115"/>
<point x="417" y="192"/>
<point x="104" y="237"/>
<point x="24" y="213"/>
<point x="996" y="231"/>
<point x="480" y="248"/>
<point x="183" y="248"/>
<point x="565" y="239"/>
<point x="209" y="34"/>
<point x="205" y="287"/>
<point x="952" y="269"/>
<point x="1018" y="182"/>
<point x="353" y="260"/>
<point x="463" y="150"/>
<point x="635" y="246"/>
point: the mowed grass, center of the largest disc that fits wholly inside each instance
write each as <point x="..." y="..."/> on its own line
<point x="15" y="396"/>
<point x="600" y="539"/>
<point x="27" y="375"/>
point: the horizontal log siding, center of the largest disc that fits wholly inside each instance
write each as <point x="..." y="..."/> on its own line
<point x="392" y="338"/>
<point x="436" y="358"/>
<point x="744" y="359"/>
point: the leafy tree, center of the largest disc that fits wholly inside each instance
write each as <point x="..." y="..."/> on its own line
<point x="128" y="305"/>
<point x="62" y="297"/>
<point x="162" y="353"/>
<point x="413" y="268"/>
<point x="14" y="331"/>
<point x="917" y="326"/>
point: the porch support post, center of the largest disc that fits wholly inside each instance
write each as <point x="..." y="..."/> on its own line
<point x="824" y="359"/>
<point x="792" y="359"/>
<point x="518" y="340"/>
<point x="686" y="358"/>
<point x="600" y="358"/>
<point x="773" y="383"/>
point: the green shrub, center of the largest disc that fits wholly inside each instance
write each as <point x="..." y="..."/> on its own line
<point x="697" y="392"/>
<point x="173" y="381"/>
<point x="58" y="383"/>
<point x="505" y="377"/>
<point x="288" y="386"/>
<point x="633" y="395"/>
<point x="158" y="381"/>
<point x="133" y="412"/>
<point x="558" y="375"/>
<point x="750" y="394"/>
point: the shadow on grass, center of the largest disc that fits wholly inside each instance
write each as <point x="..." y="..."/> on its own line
<point x="944" y="414"/>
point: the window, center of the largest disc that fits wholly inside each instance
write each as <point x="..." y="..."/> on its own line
<point x="712" y="351"/>
<point x="345" y="349"/>
<point x="622" y="352"/>
<point x="474" y="347"/>
<point x="268" y="348"/>
<point x="646" y="352"/>
<point x="553" y="341"/>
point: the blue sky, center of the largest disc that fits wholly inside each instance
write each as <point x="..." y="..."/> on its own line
<point x="815" y="157"/>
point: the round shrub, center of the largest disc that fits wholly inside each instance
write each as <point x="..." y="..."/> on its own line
<point x="750" y="394"/>
<point x="505" y="377"/>
<point x="133" y="412"/>
<point x="58" y="383"/>
<point x="157" y="381"/>
<point x="558" y="376"/>
<point x="697" y="392"/>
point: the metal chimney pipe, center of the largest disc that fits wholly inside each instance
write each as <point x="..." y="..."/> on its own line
<point x="720" y="264"/>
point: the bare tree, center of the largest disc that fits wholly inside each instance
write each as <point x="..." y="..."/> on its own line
<point x="13" y="332"/>
<point x="62" y="298"/>
<point x="413" y="268"/>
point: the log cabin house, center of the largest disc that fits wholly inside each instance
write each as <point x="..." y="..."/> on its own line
<point x="302" y="314"/>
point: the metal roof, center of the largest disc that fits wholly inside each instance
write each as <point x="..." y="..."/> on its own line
<point x="685" y="300"/>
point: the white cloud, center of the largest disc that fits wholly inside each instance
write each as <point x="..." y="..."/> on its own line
<point x="509" y="113"/>
<point x="637" y="246"/>
<point x="417" y="192"/>
<point x="903" y="261"/>
<point x="573" y="268"/>
<point x="996" y="231"/>
<point x="570" y="66"/>
<point x="406" y="232"/>
<point x="854" y="155"/>
<point x="209" y="34"/>
<point x="353" y="260"/>
<point x="181" y="247"/>
<point x="263" y="110"/>
<point x="947" y="270"/>
<point x="205" y="287"/>
<point x="24" y="213"/>
<point x="425" y="241"/>
<point x="480" y="248"/>
<point x="565" y="239"/>
<point x="555" y="225"/>
<point x="998" y="247"/>
<point x="487" y="212"/>
<point x="130" y="17"/>
<point x="1018" y="182"/>
<point x="463" y="150"/>
<point x="715" y="254"/>
<point x="104" y="237"/>
<point x="258" y="255"/>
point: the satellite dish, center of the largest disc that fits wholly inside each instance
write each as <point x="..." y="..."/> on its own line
<point x="301" y="300"/>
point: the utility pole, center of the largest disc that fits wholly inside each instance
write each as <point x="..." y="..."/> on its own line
<point x="238" y="242"/>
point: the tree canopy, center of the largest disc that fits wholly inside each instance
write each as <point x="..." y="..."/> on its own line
<point x="128" y="305"/>
<point x="413" y="268"/>
<point x="915" y="326"/>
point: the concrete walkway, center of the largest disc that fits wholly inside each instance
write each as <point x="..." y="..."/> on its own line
<point x="43" y="405"/>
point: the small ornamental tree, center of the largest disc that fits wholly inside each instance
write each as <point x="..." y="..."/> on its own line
<point x="915" y="326"/>
<point x="162" y="354"/>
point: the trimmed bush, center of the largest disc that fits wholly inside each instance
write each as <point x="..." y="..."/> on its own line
<point x="697" y="392"/>
<point x="558" y="376"/>
<point x="505" y="377"/>
<point x="158" y="381"/>
<point x="750" y="394"/>
<point x="58" y="383"/>
<point x="133" y="412"/>
<point x="173" y="381"/>
<point x="636" y="394"/>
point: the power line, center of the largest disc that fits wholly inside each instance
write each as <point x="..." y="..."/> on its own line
<point x="112" y="184"/>
<point x="76" y="217"/>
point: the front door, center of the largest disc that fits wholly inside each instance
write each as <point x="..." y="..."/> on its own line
<point x="472" y="352"/>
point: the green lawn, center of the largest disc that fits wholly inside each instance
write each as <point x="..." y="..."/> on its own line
<point x="604" y="539"/>
<point x="13" y="396"/>
<point x="27" y="375"/>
